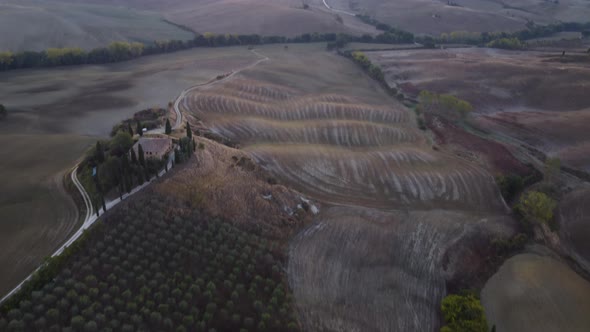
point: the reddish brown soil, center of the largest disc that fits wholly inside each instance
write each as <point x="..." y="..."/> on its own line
<point x="488" y="153"/>
<point x="539" y="99"/>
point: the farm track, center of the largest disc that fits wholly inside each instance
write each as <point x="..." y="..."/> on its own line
<point x="90" y="218"/>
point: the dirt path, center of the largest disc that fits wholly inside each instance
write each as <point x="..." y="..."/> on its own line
<point x="212" y="81"/>
<point x="90" y="217"/>
<point x="337" y="10"/>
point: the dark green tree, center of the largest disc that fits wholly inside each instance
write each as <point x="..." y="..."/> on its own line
<point x="129" y="129"/>
<point x="133" y="156"/>
<point x="189" y="132"/>
<point x="120" y="144"/>
<point x="194" y="146"/>
<point x="168" y="127"/>
<point x="139" y="129"/>
<point x="3" y="112"/>
<point x="99" y="153"/>
<point x="141" y="155"/>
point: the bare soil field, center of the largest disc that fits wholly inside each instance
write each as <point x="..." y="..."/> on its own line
<point x="434" y="17"/>
<point x="398" y="219"/>
<point x="228" y="184"/>
<point x="36" y="214"/>
<point x="60" y="24"/>
<point x="490" y="155"/>
<point x="574" y="230"/>
<point x="537" y="98"/>
<point x="54" y="116"/>
<point x="89" y="100"/>
<point x="361" y="269"/>
<point x="532" y="292"/>
<point x="277" y="17"/>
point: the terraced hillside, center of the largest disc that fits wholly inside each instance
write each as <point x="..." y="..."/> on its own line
<point x="399" y="219"/>
<point x="340" y="149"/>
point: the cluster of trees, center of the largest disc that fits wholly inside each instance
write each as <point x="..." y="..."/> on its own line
<point x="445" y="104"/>
<point x="3" y="112"/>
<point x="186" y="146"/>
<point x="460" y="37"/>
<point x="150" y="269"/>
<point x="113" y="165"/>
<point x="463" y="312"/>
<point x="507" y="44"/>
<point x="373" y="70"/>
<point x="509" y="40"/>
<point x="390" y="34"/>
<point x="150" y="118"/>
<point x="115" y="52"/>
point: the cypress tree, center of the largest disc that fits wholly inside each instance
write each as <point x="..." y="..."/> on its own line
<point x="128" y="181"/>
<point x="168" y="127"/>
<point x="189" y="132"/>
<point x="129" y="129"/>
<point x="141" y="155"/>
<point x="3" y="112"/>
<point x="140" y="176"/>
<point x="99" y="153"/>
<point x="194" y="146"/>
<point x="139" y="129"/>
<point x="133" y="156"/>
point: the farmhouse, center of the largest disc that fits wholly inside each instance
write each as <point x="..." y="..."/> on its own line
<point x="153" y="148"/>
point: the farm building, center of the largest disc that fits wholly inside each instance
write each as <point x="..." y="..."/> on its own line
<point x="153" y="148"/>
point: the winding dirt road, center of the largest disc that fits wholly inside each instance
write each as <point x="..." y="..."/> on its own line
<point x="183" y="94"/>
<point x="91" y="217"/>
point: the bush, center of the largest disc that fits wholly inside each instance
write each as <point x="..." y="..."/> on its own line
<point x="536" y="207"/>
<point x="463" y="313"/>
<point x="507" y="44"/>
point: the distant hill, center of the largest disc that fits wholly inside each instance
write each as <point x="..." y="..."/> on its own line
<point x="34" y="25"/>
<point x="434" y="17"/>
<point x="93" y="23"/>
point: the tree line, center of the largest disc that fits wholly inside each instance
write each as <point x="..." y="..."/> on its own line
<point x="390" y="35"/>
<point x="114" y="165"/>
<point x="509" y="40"/>
<point x="373" y="70"/>
<point x="123" y="51"/>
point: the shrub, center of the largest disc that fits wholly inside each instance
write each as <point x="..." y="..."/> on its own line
<point x="463" y="313"/>
<point x="536" y="207"/>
